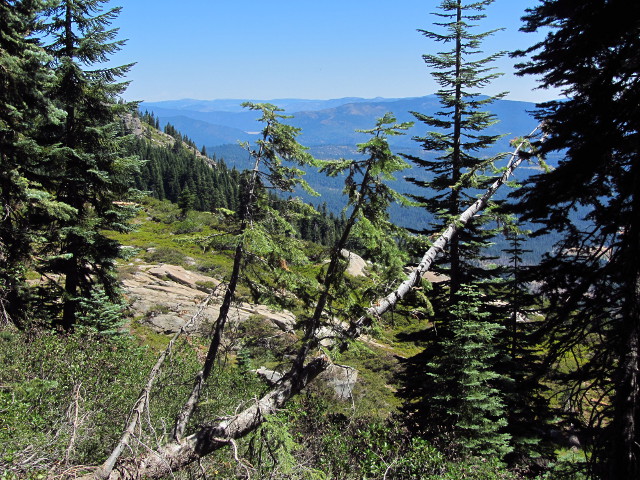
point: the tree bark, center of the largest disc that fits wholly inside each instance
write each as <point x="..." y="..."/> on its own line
<point x="455" y="272"/>
<point x="624" y="450"/>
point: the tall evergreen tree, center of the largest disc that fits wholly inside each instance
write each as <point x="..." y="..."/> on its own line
<point x="592" y="280"/>
<point x="256" y="222"/>
<point x="526" y="397"/>
<point x="25" y="204"/>
<point x="88" y="172"/>
<point x="458" y="135"/>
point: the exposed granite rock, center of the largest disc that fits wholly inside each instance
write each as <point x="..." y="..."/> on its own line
<point x="356" y="265"/>
<point x="167" y="296"/>
<point x="340" y="378"/>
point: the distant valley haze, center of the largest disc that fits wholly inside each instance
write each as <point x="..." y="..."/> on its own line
<point x="324" y="123"/>
<point x="329" y="130"/>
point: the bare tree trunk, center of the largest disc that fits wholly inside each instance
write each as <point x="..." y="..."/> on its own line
<point x="624" y="449"/>
<point x="388" y="302"/>
<point x="175" y="456"/>
<point x="188" y="408"/>
<point x="182" y="419"/>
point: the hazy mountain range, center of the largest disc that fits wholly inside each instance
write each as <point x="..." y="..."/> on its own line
<point x="328" y="126"/>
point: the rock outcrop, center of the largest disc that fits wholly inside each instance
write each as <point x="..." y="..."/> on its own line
<point x="356" y="265"/>
<point x="340" y="378"/>
<point x="166" y="296"/>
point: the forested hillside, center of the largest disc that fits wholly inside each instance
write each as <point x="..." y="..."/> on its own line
<point x="163" y="315"/>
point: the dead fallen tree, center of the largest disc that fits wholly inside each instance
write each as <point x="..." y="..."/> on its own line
<point x="385" y="304"/>
<point x="179" y="453"/>
<point x="174" y="456"/>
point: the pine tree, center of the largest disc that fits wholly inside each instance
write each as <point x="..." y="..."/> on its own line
<point x="88" y="171"/>
<point x="591" y="279"/>
<point x="458" y="138"/>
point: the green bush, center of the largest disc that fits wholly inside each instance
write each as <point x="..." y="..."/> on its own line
<point x="168" y="255"/>
<point x="64" y="398"/>
<point x="187" y="226"/>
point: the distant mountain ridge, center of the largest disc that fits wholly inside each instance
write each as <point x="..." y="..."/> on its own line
<point x="328" y="124"/>
<point x="329" y="129"/>
<point x="234" y="105"/>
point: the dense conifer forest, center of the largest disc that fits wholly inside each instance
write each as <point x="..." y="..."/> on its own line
<point x="314" y="344"/>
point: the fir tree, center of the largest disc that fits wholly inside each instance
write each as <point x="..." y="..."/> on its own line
<point x="525" y="395"/>
<point x="256" y="222"/>
<point x="26" y="204"/>
<point x="369" y="197"/>
<point x="591" y="279"/>
<point x="458" y="135"/>
<point x="461" y="407"/>
<point x="88" y="171"/>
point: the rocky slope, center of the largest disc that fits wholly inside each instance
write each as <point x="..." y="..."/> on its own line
<point x="167" y="296"/>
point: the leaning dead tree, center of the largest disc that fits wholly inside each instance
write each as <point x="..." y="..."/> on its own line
<point x="385" y="304"/>
<point x="179" y="453"/>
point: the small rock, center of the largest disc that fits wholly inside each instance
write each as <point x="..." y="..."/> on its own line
<point x="356" y="263"/>
<point x="270" y="376"/>
<point x="342" y="379"/>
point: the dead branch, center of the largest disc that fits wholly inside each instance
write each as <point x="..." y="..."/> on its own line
<point x="208" y="438"/>
<point x="176" y="455"/>
<point x="182" y="419"/>
<point x="74" y="422"/>
<point x="105" y="470"/>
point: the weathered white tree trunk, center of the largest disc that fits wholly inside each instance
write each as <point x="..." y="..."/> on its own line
<point x="143" y="399"/>
<point x="174" y="456"/>
<point x="386" y="303"/>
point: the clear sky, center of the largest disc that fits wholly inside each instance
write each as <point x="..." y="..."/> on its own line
<point x="268" y="49"/>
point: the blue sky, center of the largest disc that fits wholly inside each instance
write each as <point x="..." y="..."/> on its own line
<point x="258" y="49"/>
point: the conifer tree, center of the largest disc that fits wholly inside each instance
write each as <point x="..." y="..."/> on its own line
<point x="255" y="221"/>
<point x="88" y="171"/>
<point x="461" y="407"/>
<point x="458" y="134"/>
<point x="525" y="395"/>
<point x="369" y="198"/>
<point x="25" y="203"/>
<point x="591" y="279"/>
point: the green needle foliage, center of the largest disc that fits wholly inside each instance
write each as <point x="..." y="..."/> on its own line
<point x="368" y="200"/>
<point x="591" y="278"/>
<point x="455" y="174"/>
<point x="26" y="205"/>
<point x="255" y="225"/>
<point x="461" y="407"/>
<point x="88" y="171"/>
